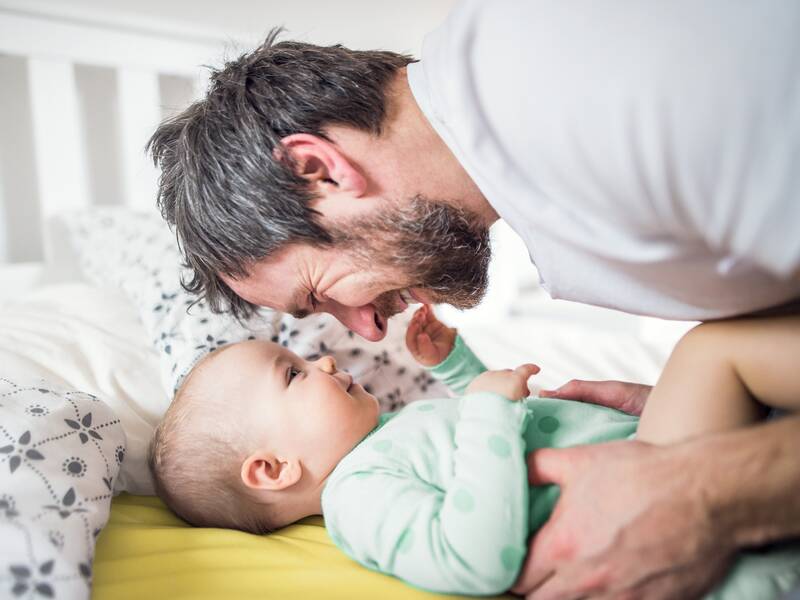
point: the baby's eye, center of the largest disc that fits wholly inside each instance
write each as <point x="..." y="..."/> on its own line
<point x="291" y="373"/>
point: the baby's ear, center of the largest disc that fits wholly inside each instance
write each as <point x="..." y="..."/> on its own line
<point x="263" y="470"/>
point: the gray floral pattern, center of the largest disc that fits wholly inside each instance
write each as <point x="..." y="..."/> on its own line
<point x="58" y="463"/>
<point x="136" y="253"/>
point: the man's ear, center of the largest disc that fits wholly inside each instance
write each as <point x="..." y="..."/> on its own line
<point x="322" y="164"/>
<point x="263" y="470"/>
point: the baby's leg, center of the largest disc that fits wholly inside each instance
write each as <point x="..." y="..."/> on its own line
<point x="724" y="375"/>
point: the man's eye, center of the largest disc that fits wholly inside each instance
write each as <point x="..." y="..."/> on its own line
<point x="312" y="302"/>
<point x="292" y="373"/>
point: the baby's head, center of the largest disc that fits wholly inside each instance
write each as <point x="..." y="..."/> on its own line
<point x="253" y="433"/>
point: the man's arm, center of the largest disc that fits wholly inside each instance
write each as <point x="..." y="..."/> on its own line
<point x="663" y="521"/>
<point x="756" y="496"/>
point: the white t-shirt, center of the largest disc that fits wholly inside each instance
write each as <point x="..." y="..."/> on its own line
<point x="648" y="152"/>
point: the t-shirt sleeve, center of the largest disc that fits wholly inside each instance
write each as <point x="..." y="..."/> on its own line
<point x="459" y="368"/>
<point x="468" y="538"/>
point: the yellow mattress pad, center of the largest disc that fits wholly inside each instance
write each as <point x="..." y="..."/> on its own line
<point x="146" y="552"/>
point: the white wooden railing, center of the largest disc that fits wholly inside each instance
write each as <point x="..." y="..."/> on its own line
<point x="52" y="43"/>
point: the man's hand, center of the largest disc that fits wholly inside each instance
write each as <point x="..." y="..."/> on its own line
<point x="631" y="522"/>
<point x="428" y="339"/>
<point x="624" y="396"/>
<point x="511" y="384"/>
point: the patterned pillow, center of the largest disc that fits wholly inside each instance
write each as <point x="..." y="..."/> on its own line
<point x="60" y="452"/>
<point x="136" y="252"/>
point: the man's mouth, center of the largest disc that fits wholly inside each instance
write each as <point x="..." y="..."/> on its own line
<point x="380" y="323"/>
<point x="409" y="297"/>
<point x="406" y="297"/>
<point x="391" y="303"/>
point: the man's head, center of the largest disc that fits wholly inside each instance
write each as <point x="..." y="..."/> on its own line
<point x="253" y="433"/>
<point x="308" y="180"/>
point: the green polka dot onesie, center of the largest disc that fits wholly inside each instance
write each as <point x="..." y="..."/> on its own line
<point x="438" y="493"/>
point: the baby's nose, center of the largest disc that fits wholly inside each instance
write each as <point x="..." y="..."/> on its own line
<point x="327" y="364"/>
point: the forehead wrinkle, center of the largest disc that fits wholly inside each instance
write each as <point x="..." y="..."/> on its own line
<point x="328" y="270"/>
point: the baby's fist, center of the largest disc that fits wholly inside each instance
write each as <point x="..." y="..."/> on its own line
<point x="511" y="384"/>
<point x="428" y="339"/>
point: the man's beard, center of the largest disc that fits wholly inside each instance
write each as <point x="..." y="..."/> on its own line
<point x="432" y="245"/>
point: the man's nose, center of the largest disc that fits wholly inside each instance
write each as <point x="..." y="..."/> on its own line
<point x="327" y="364"/>
<point x="359" y="319"/>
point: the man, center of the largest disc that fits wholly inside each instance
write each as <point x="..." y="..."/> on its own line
<point x="649" y="155"/>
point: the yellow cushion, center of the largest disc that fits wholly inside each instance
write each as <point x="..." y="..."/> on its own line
<point x="146" y="552"/>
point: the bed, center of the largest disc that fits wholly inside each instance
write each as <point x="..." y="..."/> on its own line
<point x="89" y="304"/>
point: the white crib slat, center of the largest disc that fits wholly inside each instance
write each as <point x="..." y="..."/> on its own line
<point x="140" y="113"/>
<point x="4" y="223"/>
<point x="200" y="84"/>
<point x="59" y="144"/>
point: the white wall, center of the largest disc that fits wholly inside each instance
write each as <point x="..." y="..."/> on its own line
<point x="228" y="27"/>
<point x="365" y="24"/>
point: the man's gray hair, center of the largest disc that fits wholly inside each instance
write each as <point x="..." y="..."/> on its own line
<point x="230" y="197"/>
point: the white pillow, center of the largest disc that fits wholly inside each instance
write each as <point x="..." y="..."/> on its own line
<point x="87" y="338"/>
<point x="60" y="453"/>
<point x="136" y="253"/>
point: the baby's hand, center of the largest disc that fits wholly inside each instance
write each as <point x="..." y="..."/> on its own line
<point x="511" y="384"/>
<point x="428" y="339"/>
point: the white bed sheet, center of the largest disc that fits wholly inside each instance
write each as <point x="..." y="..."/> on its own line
<point x="624" y="348"/>
<point x="89" y="339"/>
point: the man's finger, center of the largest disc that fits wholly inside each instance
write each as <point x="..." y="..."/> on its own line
<point x="622" y="395"/>
<point x="545" y="554"/>
<point x="565" y="584"/>
<point x="571" y="580"/>
<point x="552" y="465"/>
<point x="574" y="389"/>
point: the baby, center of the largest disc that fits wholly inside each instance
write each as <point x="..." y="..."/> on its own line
<point x="437" y="493"/>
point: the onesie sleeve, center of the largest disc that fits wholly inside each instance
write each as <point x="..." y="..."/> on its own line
<point x="469" y="537"/>
<point x="459" y="368"/>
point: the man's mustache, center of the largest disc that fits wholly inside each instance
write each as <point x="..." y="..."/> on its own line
<point x="388" y="304"/>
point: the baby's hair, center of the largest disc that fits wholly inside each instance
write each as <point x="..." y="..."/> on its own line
<point x="195" y="459"/>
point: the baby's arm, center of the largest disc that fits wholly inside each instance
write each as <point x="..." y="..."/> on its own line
<point x="440" y="349"/>
<point x="467" y="538"/>
<point x="722" y="376"/>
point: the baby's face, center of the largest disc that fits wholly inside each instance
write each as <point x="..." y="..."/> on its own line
<point x="297" y="409"/>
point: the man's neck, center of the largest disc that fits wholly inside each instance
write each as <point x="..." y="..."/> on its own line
<point x="424" y="151"/>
